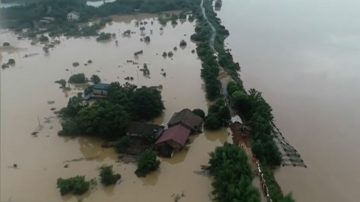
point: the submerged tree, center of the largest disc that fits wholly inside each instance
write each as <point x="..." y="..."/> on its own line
<point x="147" y="163"/>
<point x="107" y="176"/>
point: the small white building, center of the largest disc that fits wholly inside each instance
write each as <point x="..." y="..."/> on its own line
<point x="73" y="16"/>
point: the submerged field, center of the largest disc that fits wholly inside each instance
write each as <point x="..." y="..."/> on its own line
<point x="27" y="87"/>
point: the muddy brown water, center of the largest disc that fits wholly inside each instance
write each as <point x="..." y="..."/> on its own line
<point x="304" y="57"/>
<point x="27" y="87"/>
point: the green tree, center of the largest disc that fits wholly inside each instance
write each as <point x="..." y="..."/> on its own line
<point x="107" y="176"/>
<point x="212" y="122"/>
<point x="78" y="78"/>
<point x="147" y="103"/>
<point x="76" y="185"/>
<point x="95" y="79"/>
<point x="147" y="163"/>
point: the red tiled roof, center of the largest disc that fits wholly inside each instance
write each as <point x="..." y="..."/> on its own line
<point x="176" y="133"/>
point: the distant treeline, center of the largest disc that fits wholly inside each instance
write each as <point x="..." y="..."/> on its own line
<point x="28" y="15"/>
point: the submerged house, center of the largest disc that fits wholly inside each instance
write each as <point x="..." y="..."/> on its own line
<point x="172" y="140"/>
<point x="142" y="136"/>
<point x="99" y="90"/>
<point x="238" y="128"/>
<point x="143" y="130"/>
<point x="187" y="119"/>
<point x="73" y="16"/>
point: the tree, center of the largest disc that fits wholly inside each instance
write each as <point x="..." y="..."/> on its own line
<point x="11" y="61"/>
<point x="62" y="83"/>
<point x="241" y="102"/>
<point x="212" y="122"/>
<point x="147" y="103"/>
<point x="122" y="144"/>
<point x="107" y="176"/>
<point x="229" y="165"/>
<point x="147" y="163"/>
<point x="78" y="78"/>
<point x="103" y="119"/>
<point x="76" y="185"/>
<point x="95" y="79"/>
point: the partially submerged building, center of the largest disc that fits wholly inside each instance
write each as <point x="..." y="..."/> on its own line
<point x="73" y="16"/>
<point x="144" y="130"/>
<point x="99" y="90"/>
<point x="187" y="119"/>
<point x="172" y="140"/>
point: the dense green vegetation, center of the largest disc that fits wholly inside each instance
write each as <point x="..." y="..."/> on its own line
<point x="31" y="14"/>
<point x="210" y="69"/>
<point x="78" y="78"/>
<point x="257" y="113"/>
<point x="103" y="36"/>
<point x="218" y="115"/>
<point x="107" y="176"/>
<point x="229" y="165"/>
<point x="75" y="185"/>
<point x="147" y="163"/>
<point x="251" y="105"/>
<point x="122" y="144"/>
<point x="95" y="79"/>
<point x="109" y="118"/>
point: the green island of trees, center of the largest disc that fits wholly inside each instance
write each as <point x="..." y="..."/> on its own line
<point x="147" y="163"/>
<point x="109" y="118"/>
<point x="107" y="176"/>
<point x="229" y="165"/>
<point x="78" y="78"/>
<point x="218" y="115"/>
<point x="75" y="185"/>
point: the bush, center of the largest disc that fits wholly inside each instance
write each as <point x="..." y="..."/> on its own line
<point x="95" y="79"/>
<point x="122" y="144"/>
<point x="212" y="122"/>
<point x="107" y="176"/>
<point x="182" y="43"/>
<point x="75" y="64"/>
<point x="44" y="38"/>
<point x="147" y="163"/>
<point x="75" y="185"/>
<point x="147" y="39"/>
<point x="78" y="78"/>
<point x="229" y="165"/>
<point x="62" y="83"/>
<point x="103" y="36"/>
<point x="11" y="61"/>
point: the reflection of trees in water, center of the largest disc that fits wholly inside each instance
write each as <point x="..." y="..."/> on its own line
<point x="109" y="190"/>
<point x="152" y="178"/>
<point x="218" y="135"/>
<point x="91" y="148"/>
<point x="178" y="157"/>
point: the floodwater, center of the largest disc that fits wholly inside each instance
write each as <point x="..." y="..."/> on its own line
<point x="27" y="87"/>
<point x="304" y="57"/>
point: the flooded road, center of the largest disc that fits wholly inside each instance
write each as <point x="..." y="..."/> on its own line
<point x="303" y="56"/>
<point x="27" y="88"/>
